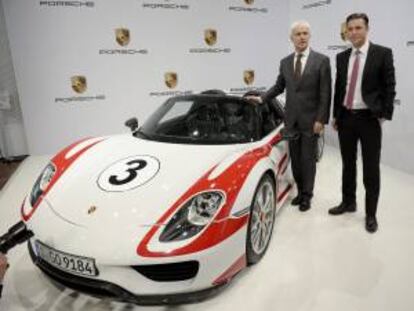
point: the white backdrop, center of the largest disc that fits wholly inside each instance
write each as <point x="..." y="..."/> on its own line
<point x="391" y="25"/>
<point x="53" y="41"/>
<point x="12" y="136"/>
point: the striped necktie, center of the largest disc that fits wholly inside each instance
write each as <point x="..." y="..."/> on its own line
<point x="298" y="66"/>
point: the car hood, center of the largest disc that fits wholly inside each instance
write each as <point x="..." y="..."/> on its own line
<point x="98" y="190"/>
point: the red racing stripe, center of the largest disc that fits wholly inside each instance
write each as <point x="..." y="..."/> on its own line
<point x="231" y="181"/>
<point x="284" y="193"/>
<point x="62" y="163"/>
<point x="282" y="161"/>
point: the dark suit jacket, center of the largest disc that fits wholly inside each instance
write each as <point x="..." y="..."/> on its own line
<point x="378" y="81"/>
<point x="309" y="99"/>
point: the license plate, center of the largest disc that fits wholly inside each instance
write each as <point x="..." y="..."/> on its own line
<point x="71" y="263"/>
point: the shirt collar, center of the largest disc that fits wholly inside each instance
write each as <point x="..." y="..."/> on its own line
<point x="305" y="53"/>
<point x="363" y="49"/>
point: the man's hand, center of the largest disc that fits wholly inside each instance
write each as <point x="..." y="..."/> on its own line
<point x="317" y="127"/>
<point x="3" y="266"/>
<point x="334" y="125"/>
<point x="254" y="99"/>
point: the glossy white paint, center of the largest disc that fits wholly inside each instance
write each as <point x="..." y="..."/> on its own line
<point x="315" y="262"/>
<point x="123" y="214"/>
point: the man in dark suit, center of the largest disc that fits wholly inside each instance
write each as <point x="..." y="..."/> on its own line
<point x="364" y="97"/>
<point x="305" y="75"/>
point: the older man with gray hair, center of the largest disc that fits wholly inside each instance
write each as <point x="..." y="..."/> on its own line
<point x="305" y="75"/>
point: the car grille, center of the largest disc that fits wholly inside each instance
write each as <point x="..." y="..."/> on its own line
<point x="172" y="272"/>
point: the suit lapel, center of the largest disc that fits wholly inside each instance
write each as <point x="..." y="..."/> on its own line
<point x="290" y="65"/>
<point x="368" y="61"/>
<point x="346" y="64"/>
<point x="308" y="65"/>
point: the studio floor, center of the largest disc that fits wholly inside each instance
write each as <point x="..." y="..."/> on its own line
<point x="315" y="262"/>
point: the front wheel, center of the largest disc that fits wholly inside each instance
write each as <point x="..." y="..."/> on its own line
<point x="261" y="220"/>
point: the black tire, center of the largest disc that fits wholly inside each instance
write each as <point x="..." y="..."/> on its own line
<point x="253" y="252"/>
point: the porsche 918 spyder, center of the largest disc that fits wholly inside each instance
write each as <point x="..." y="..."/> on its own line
<point x="168" y="213"/>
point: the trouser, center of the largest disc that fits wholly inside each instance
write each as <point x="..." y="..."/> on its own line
<point x="303" y="156"/>
<point x="354" y="126"/>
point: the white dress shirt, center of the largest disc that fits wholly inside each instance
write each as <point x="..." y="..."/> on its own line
<point x="358" y="102"/>
<point x="303" y="60"/>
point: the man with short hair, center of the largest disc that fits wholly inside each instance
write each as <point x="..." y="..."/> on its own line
<point x="305" y="75"/>
<point x="3" y="267"/>
<point x="364" y="98"/>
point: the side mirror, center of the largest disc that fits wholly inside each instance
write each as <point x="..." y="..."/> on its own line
<point x="132" y="124"/>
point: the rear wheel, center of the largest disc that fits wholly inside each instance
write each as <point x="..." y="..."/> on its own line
<point x="261" y="220"/>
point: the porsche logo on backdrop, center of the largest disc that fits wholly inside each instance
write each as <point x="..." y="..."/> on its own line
<point x="344" y="37"/>
<point x="248" y="7"/>
<point x="210" y="36"/>
<point x="74" y="4"/>
<point x="122" y="39"/>
<point x="78" y="84"/>
<point x="171" y="79"/>
<point x="316" y="4"/>
<point x="248" y="77"/>
<point x="171" y="82"/>
<point x="168" y="5"/>
<point x="122" y="36"/>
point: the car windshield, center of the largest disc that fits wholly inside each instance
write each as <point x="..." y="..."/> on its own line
<point x="202" y="119"/>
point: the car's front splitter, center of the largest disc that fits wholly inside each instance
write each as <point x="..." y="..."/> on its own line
<point x="103" y="289"/>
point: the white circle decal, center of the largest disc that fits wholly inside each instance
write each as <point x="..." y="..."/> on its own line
<point x="128" y="173"/>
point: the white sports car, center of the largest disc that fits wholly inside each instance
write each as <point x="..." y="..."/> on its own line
<point x="169" y="213"/>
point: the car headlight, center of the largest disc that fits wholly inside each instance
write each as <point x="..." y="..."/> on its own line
<point x="192" y="217"/>
<point x="42" y="183"/>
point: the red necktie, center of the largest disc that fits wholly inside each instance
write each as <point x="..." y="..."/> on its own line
<point x="352" y="84"/>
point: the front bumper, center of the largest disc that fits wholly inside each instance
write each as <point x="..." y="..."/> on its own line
<point x="103" y="289"/>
